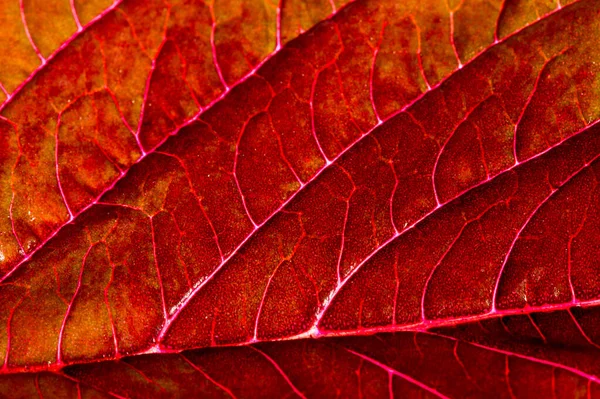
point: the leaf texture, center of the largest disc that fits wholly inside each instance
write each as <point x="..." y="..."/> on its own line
<point x="425" y="172"/>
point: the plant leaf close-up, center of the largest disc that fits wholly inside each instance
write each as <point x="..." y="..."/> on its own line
<point x="300" y="198"/>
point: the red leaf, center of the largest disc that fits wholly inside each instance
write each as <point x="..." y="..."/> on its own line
<point x="424" y="172"/>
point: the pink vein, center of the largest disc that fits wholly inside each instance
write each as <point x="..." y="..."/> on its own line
<point x="214" y="47"/>
<point x="8" y="334"/>
<point x="33" y="45"/>
<point x="106" y="302"/>
<point x="343" y="237"/>
<point x="158" y="277"/>
<point x="574" y="236"/>
<point x="372" y="73"/>
<point x="235" y="177"/>
<point x="460" y="64"/>
<point x="68" y="312"/>
<point x="12" y="200"/>
<point x="278" y="368"/>
<point x="583" y="333"/>
<point x="530" y="358"/>
<point x="332" y="4"/>
<point x="262" y="301"/>
<point x="6" y="93"/>
<point x="198" y="369"/>
<point x="312" y="118"/>
<point x="145" y="101"/>
<point x="443" y="148"/>
<point x="500" y="14"/>
<point x="12" y="221"/>
<point x="434" y="268"/>
<point x="80" y="382"/>
<point x="75" y="15"/>
<point x="512" y="245"/>
<point x="529" y="98"/>
<point x="278" y="26"/>
<point x="60" y="189"/>
<point x="396" y="372"/>
<point x="419" y="57"/>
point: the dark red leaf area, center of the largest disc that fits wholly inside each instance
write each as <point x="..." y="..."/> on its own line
<point x="523" y="356"/>
<point x="290" y="208"/>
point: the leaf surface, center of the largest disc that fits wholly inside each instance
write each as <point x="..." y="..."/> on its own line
<point x="430" y="176"/>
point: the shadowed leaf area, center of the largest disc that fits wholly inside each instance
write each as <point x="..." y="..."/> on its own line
<point x="303" y="198"/>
